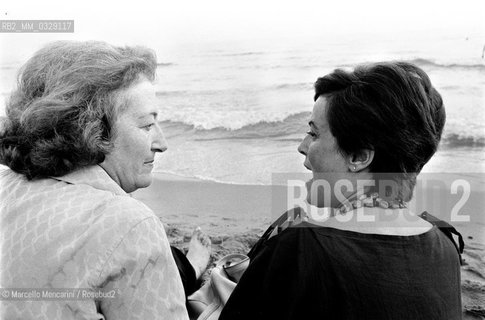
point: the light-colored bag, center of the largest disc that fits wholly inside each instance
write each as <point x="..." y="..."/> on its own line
<point x="207" y="302"/>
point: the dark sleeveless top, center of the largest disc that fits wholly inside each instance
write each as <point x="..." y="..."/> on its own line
<point x="314" y="272"/>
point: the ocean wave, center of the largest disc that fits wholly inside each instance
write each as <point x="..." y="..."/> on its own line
<point x="290" y="129"/>
<point x="451" y="87"/>
<point x="422" y="62"/>
<point x="319" y="66"/>
<point x="453" y="140"/>
<point x="165" y="64"/>
<point x="291" y="125"/>
<point x="249" y="53"/>
<point x="299" y="85"/>
<point x="216" y="92"/>
<point x="431" y="63"/>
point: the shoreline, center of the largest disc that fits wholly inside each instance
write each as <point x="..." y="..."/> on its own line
<point x="172" y="196"/>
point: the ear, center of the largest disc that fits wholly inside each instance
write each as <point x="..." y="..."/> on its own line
<point x="106" y="126"/>
<point x="360" y="161"/>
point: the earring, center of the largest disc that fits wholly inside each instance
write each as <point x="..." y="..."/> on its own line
<point x="354" y="168"/>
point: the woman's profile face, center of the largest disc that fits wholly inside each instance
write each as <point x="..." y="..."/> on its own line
<point x="321" y="154"/>
<point x="137" y="137"/>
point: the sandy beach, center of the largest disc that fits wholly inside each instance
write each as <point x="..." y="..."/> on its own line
<point x="235" y="216"/>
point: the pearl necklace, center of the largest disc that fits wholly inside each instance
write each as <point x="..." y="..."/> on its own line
<point x="371" y="201"/>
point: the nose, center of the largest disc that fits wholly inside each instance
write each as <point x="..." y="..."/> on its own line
<point x="159" y="144"/>
<point x="302" y="148"/>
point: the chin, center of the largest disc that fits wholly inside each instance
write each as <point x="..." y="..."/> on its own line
<point x="144" y="181"/>
<point x="320" y="199"/>
<point x="309" y="198"/>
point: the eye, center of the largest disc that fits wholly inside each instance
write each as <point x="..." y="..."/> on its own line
<point x="310" y="133"/>
<point x="148" y="127"/>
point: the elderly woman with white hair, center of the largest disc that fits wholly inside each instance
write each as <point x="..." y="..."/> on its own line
<point x="81" y="133"/>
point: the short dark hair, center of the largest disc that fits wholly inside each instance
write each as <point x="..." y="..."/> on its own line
<point x="388" y="107"/>
<point x="60" y="117"/>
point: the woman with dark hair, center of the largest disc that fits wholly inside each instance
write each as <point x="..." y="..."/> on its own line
<point x="378" y="124"/>
<point x="81" y="133"/>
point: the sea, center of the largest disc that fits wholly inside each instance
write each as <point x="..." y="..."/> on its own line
<point x="236" y="111"/>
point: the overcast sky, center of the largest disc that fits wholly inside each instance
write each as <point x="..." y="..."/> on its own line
<point x="171" y="23"/>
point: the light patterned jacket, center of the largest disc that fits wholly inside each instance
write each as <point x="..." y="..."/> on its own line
<point x="83" y="231"/>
